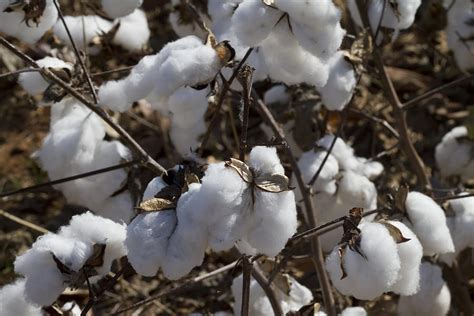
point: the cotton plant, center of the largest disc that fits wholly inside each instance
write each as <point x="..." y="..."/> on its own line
<point x="27" y="20"/>
<point x="459" y="30"/>
<point x="433" y="298"/>
<point x="461" y="226"/>
<point x="91" y="32"/>
<point x="343" y="183"/>
<point x="455" y="154"/>
<point x="290" y="294"/>
<point x="375" y="257"/>
<point x="14" y="302"/>
<point x="85" y="248"/>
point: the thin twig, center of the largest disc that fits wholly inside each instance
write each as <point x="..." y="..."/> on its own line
<point x="410" y="103"/>
<point x="23" y="222"/>
<point x="247" y="268"/>
<point x="375" y="119"/>
<point x="147" y="160"/>
<point x="76" y="52"/>
<point x="246" y="76"/>
<point x="415" y="161"/>
<point x="71" y="178"/>
<point x="267" y="288"/>
<point x="215" y="118"/>
<point x="454" y="197"/>
<point x="317" y="254"/>
<point x="107" y="72"/>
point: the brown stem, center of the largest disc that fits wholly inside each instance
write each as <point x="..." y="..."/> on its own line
<point x="23" y="222"/>
<point x="246" y="75"/>
<point x="310" y="214"/>
<point x="147" y="160"/>
<point x="400" y="119"/>
<point x="247" y="267"/>
<point x="266" y="287"/>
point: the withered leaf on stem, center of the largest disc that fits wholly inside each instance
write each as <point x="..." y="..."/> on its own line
<point x="156" y="205"/>
<point x="33" y="9"/>
<point x="283" y="283"/>
<point x="275" y="183"/>
<point x="401" y="197"/>
<point x="97" y="257"/>
<point x="64" y="269"/>
<point x="395" y="232"/>
<point x="242" y="169"/>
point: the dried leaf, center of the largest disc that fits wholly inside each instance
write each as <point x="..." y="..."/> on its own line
<point x="225" y="52"/>
<point x="242" y="169"/>
<point x="97" y="257"/>
<point x="283" y="283"/>
<point x="469" y="123"/>
<point x="64" y="269"/>
<point x="395" y="232"/>
<point x="401" y="197"/>
<point x="33" y="9"/>
<point x="63" y="73"/>
<point x="342" y="251"/>
<point x="394" y="5"/>
<point x="275" y="183"/>
<point x="156" y="205"/>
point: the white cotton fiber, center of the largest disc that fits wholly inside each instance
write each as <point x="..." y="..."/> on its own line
<point x="14" y="23"/>
<point x="340" y="85"/>
<point x="454" y="156"/>
<point x="367" y="277"/>
<point x="93" y="229"/>
<point x="433" y="298"/>
<point x="115" y="9"/>
<point x="82" y="28"/>
<point x="429" y="224"/>
<point x="40" y="270"/>
<point x="410" y="253"/>
<point x="310" y="162"/>
<point x="276" y="94"/>
<point x="133" y="32"/>
<point x="459" y="30"/>
<point x="357" y="191"/>
<point x="13" y="301"/>
<point x="147" y="240"/>
<point x="354" y="311"/>
<point x="33" y="82"/>
<point x="259" y="304"/>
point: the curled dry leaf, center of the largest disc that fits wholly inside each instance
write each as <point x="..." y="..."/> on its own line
<point x="33" y="9"/>
<point x="394" y="232"/>
<point x="401" y="197"/>
<point x="156" y="205"/>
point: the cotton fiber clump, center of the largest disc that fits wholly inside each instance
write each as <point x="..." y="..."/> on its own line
<point x="185" y="62"/>
<point x="354" y="311"/>
<point x="461" y="226"/>
<point x="298" y="296"/>
<point x="454" y="155"/>
<point x="428" y="222"/>
<point x="72" y="246"/>
<point x="398" y="17"/>
<point x="382" y="265"/>
<point x="340" y="85"/>
<point x="459" y="30"/>
<point x="33" y="82"/>
<point x="132" y="33"/>
<point x="75" y="145"/>
<point x="433" y="298"/>
<point x="116" y="9"/>
<point x="343" y="183"/>
<point x="13" y="22"/>
<point x="14" y="302"/>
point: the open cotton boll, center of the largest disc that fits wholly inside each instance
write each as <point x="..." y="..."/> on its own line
<point x="33" y="82"/>
<point x="147" y="240"/>
<point x="14" y="23"/>
<point x="433" y="298"/>
<point x="458" y="30"/>
<point x="133" y="32"/>
<point x="82" y="28"/>
<point x="187" y="244"/>
<point x="116" y="9"/>
<point x="14" y="302"/>
<point x="453" y="156"/>
<point x="93" y="229"/>
<point x="410" y="253"/>
<point x="310" y="162"/>
<point x="265" y="160"/>
<point x="429" y="224"/>
<point x="41" y="272"/>
<point x="357" y="191"/>
<point x="341" y="151"/>
<point x="367" y="278"/>
<point x="186" y="139"/>
<point x="259" y="304"/>
<point x="253" y="21"/>
<point x="188" y="105"/>
<point x="340" y="85"/>
<point x="276" y="94"/>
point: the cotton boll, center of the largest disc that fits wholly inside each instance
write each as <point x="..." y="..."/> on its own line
<point x="410" y="253"/>
<point x="259" y="304"/>
<point x="368" y="168"/>
<point x="186" y="139"/>
<point x="133" y="32"/>
<point x="253" y="21"/>
<point x="310" y="162"/>
<point x="40" y="270"/>
<point x="429" y="224"/>
<point x="341" y="151"/>
<point x="118" y="208"/>
<point x="357" y="191"/>
<point x="82" y="28"/>
<point x="13" y="301"/>
<point x="93" y="229"/>
<point x="340" y="85"/>
<point x="33" y="82"/>
<point x="14" y="23"/>
<point x="354" y="311"/>
<point x="276" y="94"/>
<point x="188" y="106"/>
<point x="188" y="243"/>
<point x="453" y="156"/>
<point x="433" y="298"/>
<point x="265" y="160"/>
<point x="116" y="9"/>
<point x="147" y="240"/>
<point x="367" y="278"/>
<point x="273" y="222"/>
